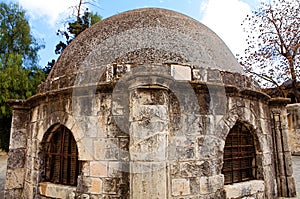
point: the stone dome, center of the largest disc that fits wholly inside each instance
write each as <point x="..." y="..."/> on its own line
<point x="145" y="36"/>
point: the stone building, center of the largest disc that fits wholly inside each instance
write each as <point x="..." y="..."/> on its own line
<point x="293" y="111"/>
<point x="149" y="104"/>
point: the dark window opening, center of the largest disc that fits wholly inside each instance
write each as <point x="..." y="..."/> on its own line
<point x="239" y="155"/>
<point x="292" y="97"/>
<point x="61" y="158"/>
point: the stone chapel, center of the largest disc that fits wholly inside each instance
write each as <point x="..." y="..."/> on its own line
<point x="149" y="103"/>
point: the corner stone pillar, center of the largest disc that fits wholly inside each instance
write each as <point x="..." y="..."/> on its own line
<point x="148" y="140"/>
<point x="17" y="151"/>
<point x="282" y="154"/>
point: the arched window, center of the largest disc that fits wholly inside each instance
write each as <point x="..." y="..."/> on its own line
<point x="61" y="157"/>
<point x="239" y="155"/>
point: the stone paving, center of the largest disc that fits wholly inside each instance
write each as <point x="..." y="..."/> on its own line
<point x="3" y="159"/>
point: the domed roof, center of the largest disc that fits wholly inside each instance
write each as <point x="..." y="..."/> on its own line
<point x="148" y="35"/>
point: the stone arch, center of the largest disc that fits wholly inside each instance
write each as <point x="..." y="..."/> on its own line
<point x="69" y="122"/>
<point x="248" y="118"/>
<point x="48" y="146"/>
<point x="241" y="114"/>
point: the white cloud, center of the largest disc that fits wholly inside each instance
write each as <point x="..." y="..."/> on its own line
<point x="225" y="17"/>
<point x="49" y="10"/>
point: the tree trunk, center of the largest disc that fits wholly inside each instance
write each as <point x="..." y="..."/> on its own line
<point x="294" y="78"/>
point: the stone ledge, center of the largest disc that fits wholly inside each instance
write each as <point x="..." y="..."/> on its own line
<point x="248" y="188"/>
<point x="56" y="190"/>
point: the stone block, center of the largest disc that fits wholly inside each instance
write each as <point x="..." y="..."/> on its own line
<point x="119" y="105"/>
<point x="110" y="185"/>
<point x="214" y="76"/>
<point x="16" y="158"/>
<point x="195" y="168"/>
<point x="19" y="119"/>
<point x="78" y="132"/>
<point x="14" y="178"/>
<point x="149" y="113"/>
<point x="99" y="169"/>
<point x="211" y="184"/>
<point x="291" y="186"/>
<point x="267" y="159"/>
<point x="124" y="149"/>
<point x="180" y="187"/>
<point x="242" y="189"/>
<point x="200" y="74"/>
<point x="103" y="104"/>
<point x="152" y="148"/>
<point x="86" y="149"/>
<point x="210" y="147"/>
<point x="88" y="125"/>
<point x="190" y="124"/>
<point x="117" y="169"/>
<point x="218" y="103"/>
<point x="181" y="148"/>
<point x="183" y="73"/>
<point x="195" y="185"/>
<point x="117" y="126"/>
<point x="148" y="180"/>
<point x="18" y="139"/>
<point x="106" y="149"/>
<point x="28" y="190"/>
<point x="96" y="186"/>
<point x="13" y="193"/>
<point x="56" y="190"/>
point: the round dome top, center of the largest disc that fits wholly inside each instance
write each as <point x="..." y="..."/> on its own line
<point x="143" y="36"/>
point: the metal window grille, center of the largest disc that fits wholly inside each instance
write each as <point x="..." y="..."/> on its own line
<point x="239" y="156"/>
<point x="61" y="158"/>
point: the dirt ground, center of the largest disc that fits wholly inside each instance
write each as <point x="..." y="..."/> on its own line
<point x="3" y="159"/>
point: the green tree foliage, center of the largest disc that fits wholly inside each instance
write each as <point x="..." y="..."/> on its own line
<point x="274" y="44"/>
<point x="19" y="75"/>
<point x="76" y="26"/>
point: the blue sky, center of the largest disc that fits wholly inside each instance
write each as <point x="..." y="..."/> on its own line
<point x="222" y="16"/>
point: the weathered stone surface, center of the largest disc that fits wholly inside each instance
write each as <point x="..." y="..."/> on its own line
<point x="181" y="148"/>
<point x="99" y="169"/>
<point x="110" y="185"/>
<point x="106" y="149"/>
<point x="56" y="191"/>
<point x="16" y="158"/>
<point x="180" y="187"/>
<point x="149" y="180"/>
<point x="18" y="139"/>
<point x="210" y="147"/>
<point x="14" y="178"/>
<point x="294" y="127"/>
<point x="150" y="106"/>
<point x="181" y="72"/>
<point x="195" y="169"/>
<point x="96" y="186"/>
<point x="211" y="184"/>
<point x="248" y="188"/>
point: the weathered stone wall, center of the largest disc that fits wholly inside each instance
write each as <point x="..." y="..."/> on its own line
<point x="294" y="127"/>
<point x="16" y="163"/>
<point x="282" y="154"/>
<point x="150" y="96"/>
<point x="141" y="135"/>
